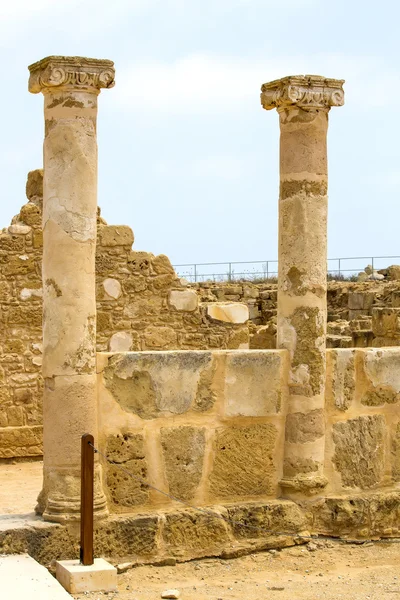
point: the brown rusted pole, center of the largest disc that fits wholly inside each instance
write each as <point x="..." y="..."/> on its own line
<point x="87" y="476"/>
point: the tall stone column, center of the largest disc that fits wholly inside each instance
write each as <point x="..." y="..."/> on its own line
<point x="303" y="104"/>
<point x="70" y="86"/>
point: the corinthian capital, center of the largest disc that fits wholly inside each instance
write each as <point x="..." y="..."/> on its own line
<point x="304" y="91"/>
<point x="71" y="73"/>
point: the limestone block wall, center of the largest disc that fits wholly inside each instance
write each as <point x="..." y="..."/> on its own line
<point x="207" y="427"/>
<point x="363" y="420"/>
<point x="141" y="305"/>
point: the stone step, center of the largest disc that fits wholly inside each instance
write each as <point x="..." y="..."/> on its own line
<point x="22" y="578"/>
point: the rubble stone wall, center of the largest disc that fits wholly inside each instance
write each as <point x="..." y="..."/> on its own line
<point x="141" y="305"/>
<point x="209" y="427"/>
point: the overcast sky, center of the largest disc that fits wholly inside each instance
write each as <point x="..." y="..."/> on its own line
<point x="187" y="156"/>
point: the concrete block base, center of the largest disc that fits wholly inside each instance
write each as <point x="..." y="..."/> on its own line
<point x="77" y="578"/>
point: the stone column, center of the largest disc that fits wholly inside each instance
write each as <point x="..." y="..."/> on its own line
<point x="303" y="104"/>
<point x="70" y="86"/>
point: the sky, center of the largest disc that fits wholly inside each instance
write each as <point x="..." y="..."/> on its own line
<point x="187" y="156"/>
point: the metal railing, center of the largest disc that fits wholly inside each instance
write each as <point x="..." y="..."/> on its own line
<point x="268" y="269"/>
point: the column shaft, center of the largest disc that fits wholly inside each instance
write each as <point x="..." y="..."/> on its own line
<point x="70" y="87"/>
<point x="303" y="103"/>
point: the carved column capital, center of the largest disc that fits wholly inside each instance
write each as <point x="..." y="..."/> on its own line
<point x="303" y="91"/>
<point x="71" y="73"/>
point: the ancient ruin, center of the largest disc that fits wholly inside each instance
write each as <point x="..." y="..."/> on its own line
<point x="225" y="396"/>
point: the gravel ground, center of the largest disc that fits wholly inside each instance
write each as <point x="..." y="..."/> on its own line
<point x="327" y="570"/>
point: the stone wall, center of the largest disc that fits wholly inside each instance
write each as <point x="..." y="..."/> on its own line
<point x="206" y="426"/>
<point x="209" y="427"/>
<point x="141" y="305"/>
<point x="358" y="313"/>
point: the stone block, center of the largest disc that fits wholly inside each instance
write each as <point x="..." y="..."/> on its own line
<point x="161" y="265"/>
<point x="360" y="300"/>
<point x="183" y="300"/>
<point x="34" y="184"/>
<point x="273" y="516"/>
<point x="11" y="242"/>
<point x="395" y="453"/>
<point x="183" y="452"/>
<point x="116" y="235"/>
<point x="78" y="579"/>
<point x="126" y="450"/>
<point x="228" y="312"/>
<point x="151" y="383"/>
<point x="379" y="376"/>
<point x="31" y="215"/>
<point x="112" y="288"/>
<point x="140" y="262"/>
<point x="359" y="450"/>
<point x="254" y="383"/>
<point x="15" y="416"/>
<point x="121" y="341"/>
<point x="341" y="378"/>
<point x="160" y="337"/>
<point x="190" y="531"/>
<point x="244" y="461"/>
<point x="19" y="265"/>
<point x="386" y="322"/>
<point x="303" y="427"/>
<point x="393" y="273"/>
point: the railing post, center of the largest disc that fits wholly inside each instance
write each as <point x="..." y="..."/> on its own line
<point x="195" y="273"/>
<point x="230" y="271"/>
<point x="87" y="479"/>
<point x="339" y="267"/>
<point x="267" y="270"/>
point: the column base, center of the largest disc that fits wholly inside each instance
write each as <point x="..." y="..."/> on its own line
<point x="69" y="511"/>
<point x="305" y="484"/>
<point x="60" y="499"/>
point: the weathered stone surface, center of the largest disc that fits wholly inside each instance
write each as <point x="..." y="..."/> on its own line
<point x="342" y="378"/>
<point x="116" y="235"/>
<point x="20" y="441"/>
<point x="160" y="337"/>
<point x="152" y="383"/>
<point x="254" y="383"/>
<point x="112" y="287"/>
<point x="305" y="427"/>
<point x="267" y="518"/>
<point x="126" y="450"/>
<point x="244" y="461"/>
<point x="381" y="376"/>
<point x="122" y="537"/>
<point x="359" y="450"/>
<point x="184" y="300"/>
<point x="191" y="532"/>
<point x="183" y="452"/>
<point x="121" y="341"/>
<point x="228" y="312"/>
<point x="395" y="453"/>
<point x="34" y="184"/>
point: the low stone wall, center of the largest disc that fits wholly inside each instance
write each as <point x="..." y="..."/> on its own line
<point x="363" y="419"/>
<point x="208" y="427"/>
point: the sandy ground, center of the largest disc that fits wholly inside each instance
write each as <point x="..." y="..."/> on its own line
<point x="333" y="571"/>
<point x="20" y="484"/>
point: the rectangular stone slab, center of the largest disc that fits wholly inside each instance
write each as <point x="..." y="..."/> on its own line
<point x="22" y="577"/>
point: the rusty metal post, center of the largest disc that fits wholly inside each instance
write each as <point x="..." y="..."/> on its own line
<point x="87" y="484"/>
